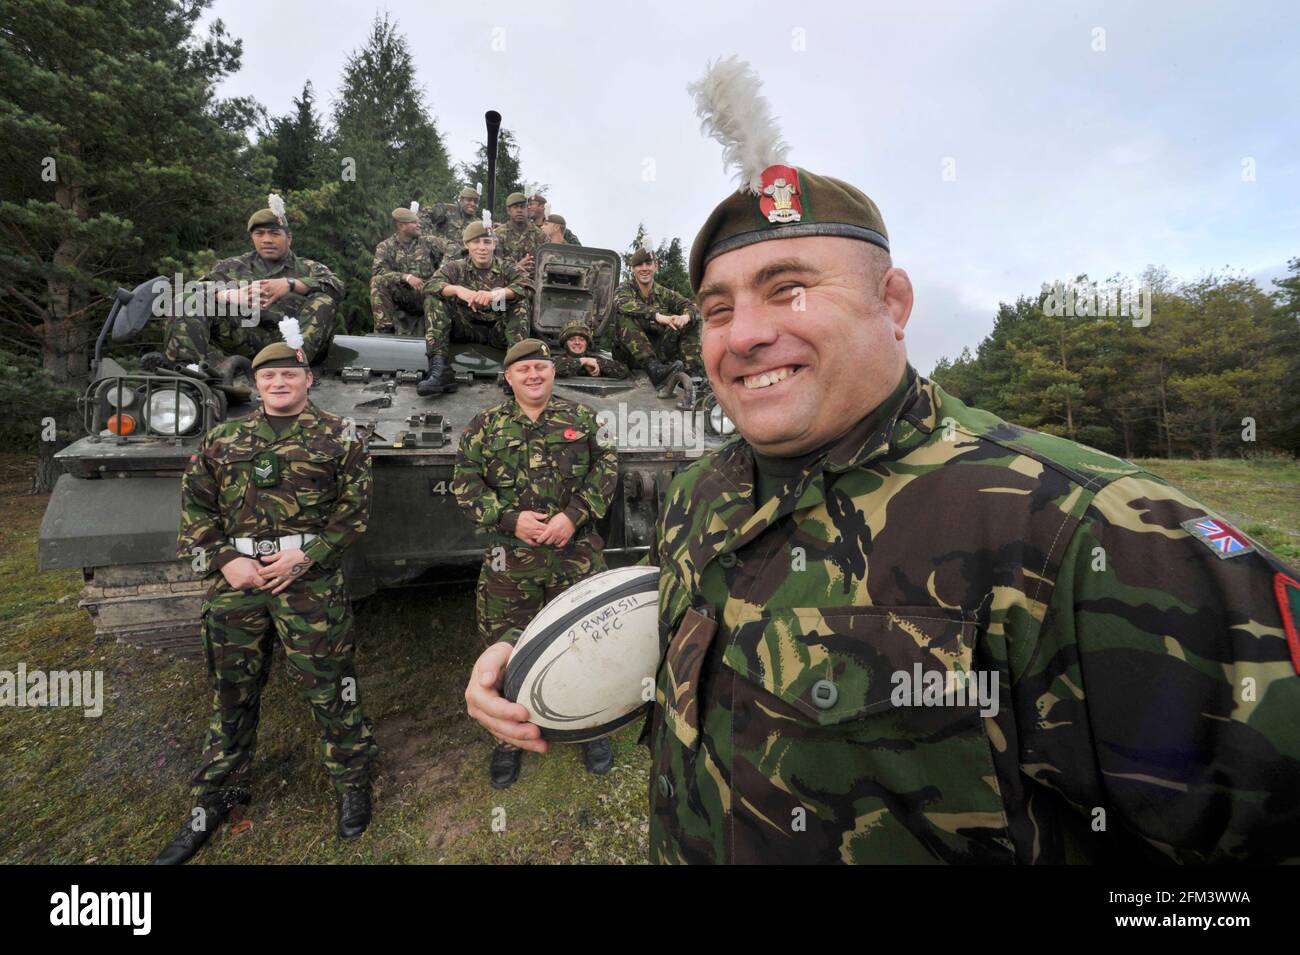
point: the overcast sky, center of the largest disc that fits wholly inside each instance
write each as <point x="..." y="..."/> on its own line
<point x="1084" y="137"/>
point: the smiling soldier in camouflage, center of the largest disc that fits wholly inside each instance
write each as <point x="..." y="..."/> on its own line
<point x="271" y="502"/>
<point x="531" y="474"/>
<point x="403" y="263"/>
<point x="870" y="536"/>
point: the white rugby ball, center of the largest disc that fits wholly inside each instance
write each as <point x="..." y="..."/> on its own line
<point x="582" y="666"/>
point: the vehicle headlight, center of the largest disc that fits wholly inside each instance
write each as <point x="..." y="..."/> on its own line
<point x="171" y="411"/>
<point x="718" y="420"/>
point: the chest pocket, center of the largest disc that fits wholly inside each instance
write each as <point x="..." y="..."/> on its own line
<point x="234" y="470"/>
<point x="307" y="477"/>
<point x="570" y="453"/>
<point x="868" y="718"/>
<point x="505" y="457"/>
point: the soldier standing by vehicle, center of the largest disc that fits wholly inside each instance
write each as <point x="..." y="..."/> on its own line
<point x="481" y="298"/>
<point x="871" y="535"/>
<point x="272" y="501"/>
<point x="537" y="213"/>
<point x="575" y="339"/>
<point x="518" y="238"/>
<point x="669" y="320"/>
<point x="532" y="475"/>
<point x="271" y="283"/>
<point x="403" y="263"/>
<point x="446" y="221"/>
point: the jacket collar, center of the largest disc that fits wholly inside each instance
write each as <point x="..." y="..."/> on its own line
<point x="262" y="428"/>
<point x="898" y="423"/>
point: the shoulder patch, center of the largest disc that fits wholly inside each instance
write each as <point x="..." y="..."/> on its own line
<point x="1288" y="601"/>
<point x="1220" y="536"/>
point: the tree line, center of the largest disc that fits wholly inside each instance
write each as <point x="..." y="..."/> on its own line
<point x="1206" y="367"/>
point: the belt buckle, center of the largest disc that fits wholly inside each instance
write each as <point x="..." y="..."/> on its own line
<point x="266" y="547"/>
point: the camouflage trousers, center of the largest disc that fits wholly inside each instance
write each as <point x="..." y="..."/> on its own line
<point x="627" y="341"/>
<point x="450" y="320"/>
<point x="396" y="306"/>
<point x="515" y="582"/>
<point x="194" y="338"/>
<point x="569" y="365"/>
<point x="313" y="620"/>
<point x="671" y="344"/>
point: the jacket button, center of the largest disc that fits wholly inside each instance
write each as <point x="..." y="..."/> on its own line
<point x="665" y="787"/>
<point x="824" y="694"/>
<point x="727" y="560"/>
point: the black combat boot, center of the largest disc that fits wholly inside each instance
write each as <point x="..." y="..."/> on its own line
<point x="437" y="379"/>
<point x="597" y="756"/>
<point x="660" y="372"/>
<point x="503" y="770"/>
<point x="354" y="811"/>
<point x="198" y="829"/>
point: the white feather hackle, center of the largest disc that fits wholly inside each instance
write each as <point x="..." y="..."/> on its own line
<point x="415" y="206"/>
<point x="487" y="219"/>
<point x="736" y="114"/>
<point x="290" y="332"/>
<point x="478" y="187"/>
<point x="276" y="205"/>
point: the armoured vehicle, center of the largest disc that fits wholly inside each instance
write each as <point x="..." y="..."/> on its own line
<point x="115" y="509"/>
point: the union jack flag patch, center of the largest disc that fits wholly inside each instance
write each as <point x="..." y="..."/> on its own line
<point x="1220" y="536"/>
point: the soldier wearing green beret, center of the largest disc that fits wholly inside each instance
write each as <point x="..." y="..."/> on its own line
<point x="556" y="231"/>
<point x="403" y="263"/>
<point x="445" y="221"/>
<point x="537" y="214"/>
<point x="240" y="303"/>
<point x="900" y="629"/>
<point x="479" y="298"/>
<point x="531" y="474"/>
<point x="669" y="321"/>
<point x="272" y="502"/>
<point x="518" y="238"/>
<point x="577" y="359"/>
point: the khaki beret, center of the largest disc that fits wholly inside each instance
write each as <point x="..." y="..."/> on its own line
<point x="528" y="348"/>
<point x="792" y="203"/>
<point x="280" y="355"/>
<point x="473" y="231"/>
<point x="574" y="328"/>
<point x="403" y="214"/>
<point x="641" y="255"/>
<point x="468" y="193"/>
<point x="537" y="197"/>
<point x="558" y="220"/>
<point x="515" y="199"/>
<point x="265" y="219"/>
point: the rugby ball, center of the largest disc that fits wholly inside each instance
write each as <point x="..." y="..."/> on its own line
<point x="586" y="664"/>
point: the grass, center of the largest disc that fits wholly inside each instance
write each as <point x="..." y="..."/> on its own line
<point x="113" y="789"/>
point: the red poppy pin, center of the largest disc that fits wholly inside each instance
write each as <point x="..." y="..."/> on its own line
<point x="779" y="196"/>
<point x="570" y="434"/>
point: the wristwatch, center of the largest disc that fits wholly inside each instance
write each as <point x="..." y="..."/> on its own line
<point x="291" y="283"/>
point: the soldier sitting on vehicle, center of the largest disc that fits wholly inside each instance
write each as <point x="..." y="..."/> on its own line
<point x="555" y="232"/>
<point x="481" y="298"/>
<point x="518" y="237"/>
<point x="447" y="220"/>
<point x="575" y="338"/>
<point x="238" y="309"/>
<point x="403" y="263"/>
<point x="537" y="212"/>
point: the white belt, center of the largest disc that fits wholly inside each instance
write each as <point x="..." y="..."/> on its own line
<point x="252" y="547"/>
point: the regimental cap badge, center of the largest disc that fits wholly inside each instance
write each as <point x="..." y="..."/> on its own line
<point x="778" y="198"/>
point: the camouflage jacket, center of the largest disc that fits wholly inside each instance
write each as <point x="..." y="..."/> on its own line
<point x="323" y="486"/>
<point x="570" y="238"/>
<point x="419" y="257"/>
<point x="1146" y="701"/>
<point x="628" y="301"/>
<point x="501" y="274"/>
<point x="513" y="244"/>
<point x="507" y="463"/>
<point x="251" y="267"/>
<point x="568" y="365"/>
<point x="445" y="220"/>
